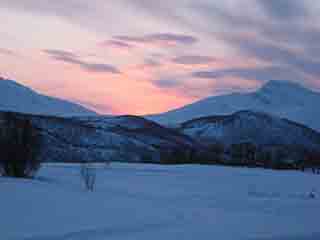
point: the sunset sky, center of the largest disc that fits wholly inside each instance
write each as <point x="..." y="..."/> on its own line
<point x="149" y="56"/>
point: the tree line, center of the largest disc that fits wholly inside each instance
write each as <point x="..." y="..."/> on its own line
<point x="249" y="155"/>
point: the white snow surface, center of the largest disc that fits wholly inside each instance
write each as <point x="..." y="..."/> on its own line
<point x="285" y="99"/>
<point x="137" y="201"/>
<point x="18" y="98"/>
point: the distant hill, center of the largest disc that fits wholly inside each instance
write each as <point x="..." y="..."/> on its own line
<point x="254" y="127"/>
<point x="136" y="139"/>
<point x="18" y="98"/>
<point x="121" y="138"/>
<point x="281" y="98"/>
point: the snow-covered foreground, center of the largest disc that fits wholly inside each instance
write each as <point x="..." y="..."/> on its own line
<point x="136" y="201"/>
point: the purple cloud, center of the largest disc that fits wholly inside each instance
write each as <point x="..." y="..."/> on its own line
<point x="117" y="44"/>
<point x="167" y="83"/>
<point x="284" y="9"/>
<point x="4" y="51"/>
<point x="193" y="59"/>
<point x="71" y="58"/>
<point x="255" y="73"/>
<point x="100" y="68"/>
<point x="151" y="62"/>
<point x="286" y="40"/>
<point x="276" y="54"/>
<point x="159" y="38"/>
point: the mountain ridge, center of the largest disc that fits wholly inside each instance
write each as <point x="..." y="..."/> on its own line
<point x="135" y="139"/>
<point x="281" y="98"/>
<point x="16" y="97"/>
<point x="102" y="139"/>
<point x="257" y="128"/>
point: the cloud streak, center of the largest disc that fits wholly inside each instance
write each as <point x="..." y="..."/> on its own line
<point x="8" y="52"/>
<point x="71" y="58"/>
<point x="176" y="51"/>
<point x="284" y="9"/>
<point x="255" y="73"/>
<point x="160" y="39"/>
<point x="282" y="35"/>
<point x="194" y="60"/>
<point x="167" y="83"/>
<point x="117" y="44"/>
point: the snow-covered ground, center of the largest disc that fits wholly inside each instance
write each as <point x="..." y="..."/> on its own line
<point x="136" y="201"/>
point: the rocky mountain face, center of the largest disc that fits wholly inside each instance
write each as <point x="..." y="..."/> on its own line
<point x="140" y="129"/>
<point x="125" y="138"/>
<point x="135" y="139"/>
<point x="256" y="139"/>
<point x="260" y="129"/>
<point x="280" y="98"/>
<point x="18" y="98"/>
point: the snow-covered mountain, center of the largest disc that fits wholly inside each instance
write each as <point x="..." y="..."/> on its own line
<point x="122" y="138"/>
<point x="282" y="98"/>
<point x="251" y="127"/>
<point x="135" y="139"/>
<point x="18" y="98"/>
<point x="139" y="128"/>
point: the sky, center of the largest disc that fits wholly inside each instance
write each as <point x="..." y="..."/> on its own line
<point x="150" y="56"/>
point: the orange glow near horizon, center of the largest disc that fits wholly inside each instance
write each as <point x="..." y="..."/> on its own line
<point x="134" y="91"/>
<point x="115" y="59"/>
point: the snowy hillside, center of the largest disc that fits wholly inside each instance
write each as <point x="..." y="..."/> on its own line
<point x="135" y="139"/>
<point x="18" y="98"/>
<point x="253" y="127"/>
<point x="125" y="138"/>
<point x="284" y="99"/>
<point x="161" y="202"/>
<point x="139" y="128"/>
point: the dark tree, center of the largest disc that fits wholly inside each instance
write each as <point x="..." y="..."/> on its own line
<point x="244" y="154"/>
<point x="177" y="156"/>
<point x="20" y="145"/>
<point x="312" y="161"/>
<point x="217" y="151"/>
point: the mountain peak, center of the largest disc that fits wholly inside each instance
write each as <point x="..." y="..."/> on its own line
<point x="5" y="82"/>
<point x="281" y="85"/>
<point x="17" y="97"/>
<point x="285" y="99"/>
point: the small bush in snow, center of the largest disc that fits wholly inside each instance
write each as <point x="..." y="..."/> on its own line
<point x="88" y="175"/>
<point x="312" y="194"/>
